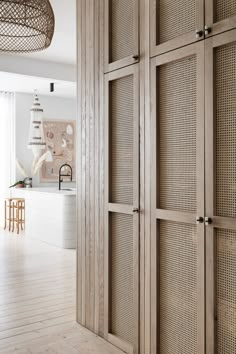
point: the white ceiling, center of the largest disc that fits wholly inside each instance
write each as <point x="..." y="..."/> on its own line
<point x="63" y="46"/>
<point x="26" y="84"/>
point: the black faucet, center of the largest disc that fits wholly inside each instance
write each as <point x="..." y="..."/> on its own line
<point x="67" y="175"/>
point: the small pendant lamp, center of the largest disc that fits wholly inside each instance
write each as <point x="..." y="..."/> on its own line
<point x="26" y="25"/>
<point x="36" y="135"/>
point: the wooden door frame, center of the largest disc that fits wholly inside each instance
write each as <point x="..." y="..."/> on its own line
<point x="111" y="66"/>
<point x="120" y="208"/>
<point x="180" y="41"/>
<point x="217" y="27"/>
<point x="190" y="218"/>
<point x="217" y="221"/>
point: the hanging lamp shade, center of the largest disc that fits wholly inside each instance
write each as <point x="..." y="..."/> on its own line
<point x="36" y="135"/>
<point x="26" y="25"/>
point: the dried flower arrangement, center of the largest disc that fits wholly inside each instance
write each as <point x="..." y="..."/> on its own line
<point x="37" y="163"/>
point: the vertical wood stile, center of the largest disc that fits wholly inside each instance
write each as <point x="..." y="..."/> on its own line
<point x="145" y="162"/>
<point x="145" y="331"/>
<point x="79" y="163"/>
<point x="96" y="168"/>
<point x="87" y="161"/>
<point x="93" y="118"/>
<point x="154" y="337"/>
<point x="210" y="203"/>
<point x="82" y="161"/>
<point x="102" y="164"/>
<point x="83" y="167"/>
<point x="90" y="165"/>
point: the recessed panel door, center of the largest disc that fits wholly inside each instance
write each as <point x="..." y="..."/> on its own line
<point x="121" y="33"/>
<point x="221" y="193"/>
<point x="175" y="24"/>
<point x="220" y="16"/>
<point x="178" y="201"/>
<point x="122" y="209"/>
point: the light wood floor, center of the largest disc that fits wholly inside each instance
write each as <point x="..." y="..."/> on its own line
<point x="37" y="301"/>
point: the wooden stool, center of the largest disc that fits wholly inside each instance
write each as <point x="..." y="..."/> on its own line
<point x="14" y="214"/>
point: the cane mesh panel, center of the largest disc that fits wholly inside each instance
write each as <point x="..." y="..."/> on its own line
<point x="224" y="9"/>
<point x="177" y="127"/>
<point x="122" y="29"/>
<point x="121" y="125"/>
<point x="175" y="18"/>
<point x="122" y="272"/>
<point x="226" y="291"/>
<point x="225" y="86"/>
<point x="178" y="288"/>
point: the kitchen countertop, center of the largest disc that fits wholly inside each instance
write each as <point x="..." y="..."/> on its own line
<point x="64" y="192"/>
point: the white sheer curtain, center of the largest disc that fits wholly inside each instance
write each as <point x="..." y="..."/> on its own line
<point x="7" y="147"/>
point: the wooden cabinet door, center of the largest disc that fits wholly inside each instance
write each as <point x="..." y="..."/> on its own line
<point x="122" y="208"/>
<point x="220" y="16"/>
<point x="177" y="245"/>
<point x="175" y="23"/>
<point x="221" y="193"/>
<point x="121" y="33"/>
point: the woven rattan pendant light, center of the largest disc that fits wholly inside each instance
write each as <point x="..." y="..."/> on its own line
<point x="25" y="25"/>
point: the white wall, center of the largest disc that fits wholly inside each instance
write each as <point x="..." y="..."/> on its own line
<point x="54" y="108"/>
<point x="37" y="68"/>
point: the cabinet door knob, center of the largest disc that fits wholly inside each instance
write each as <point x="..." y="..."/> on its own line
<point x="207" y="30"/>
<point x="199" y="34"/>
<point x="136" y="210"/>
<point x="208" y="220"/>
<point x="199" y="220"/>
<point x="135" y="57"/>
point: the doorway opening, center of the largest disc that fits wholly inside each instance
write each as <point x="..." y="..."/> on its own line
<point x="38" y="221"/>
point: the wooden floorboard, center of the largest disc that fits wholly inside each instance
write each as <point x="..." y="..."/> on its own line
<point x="37" y="301"/>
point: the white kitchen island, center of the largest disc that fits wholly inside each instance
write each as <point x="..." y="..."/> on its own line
<point x="50" y="215"/>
